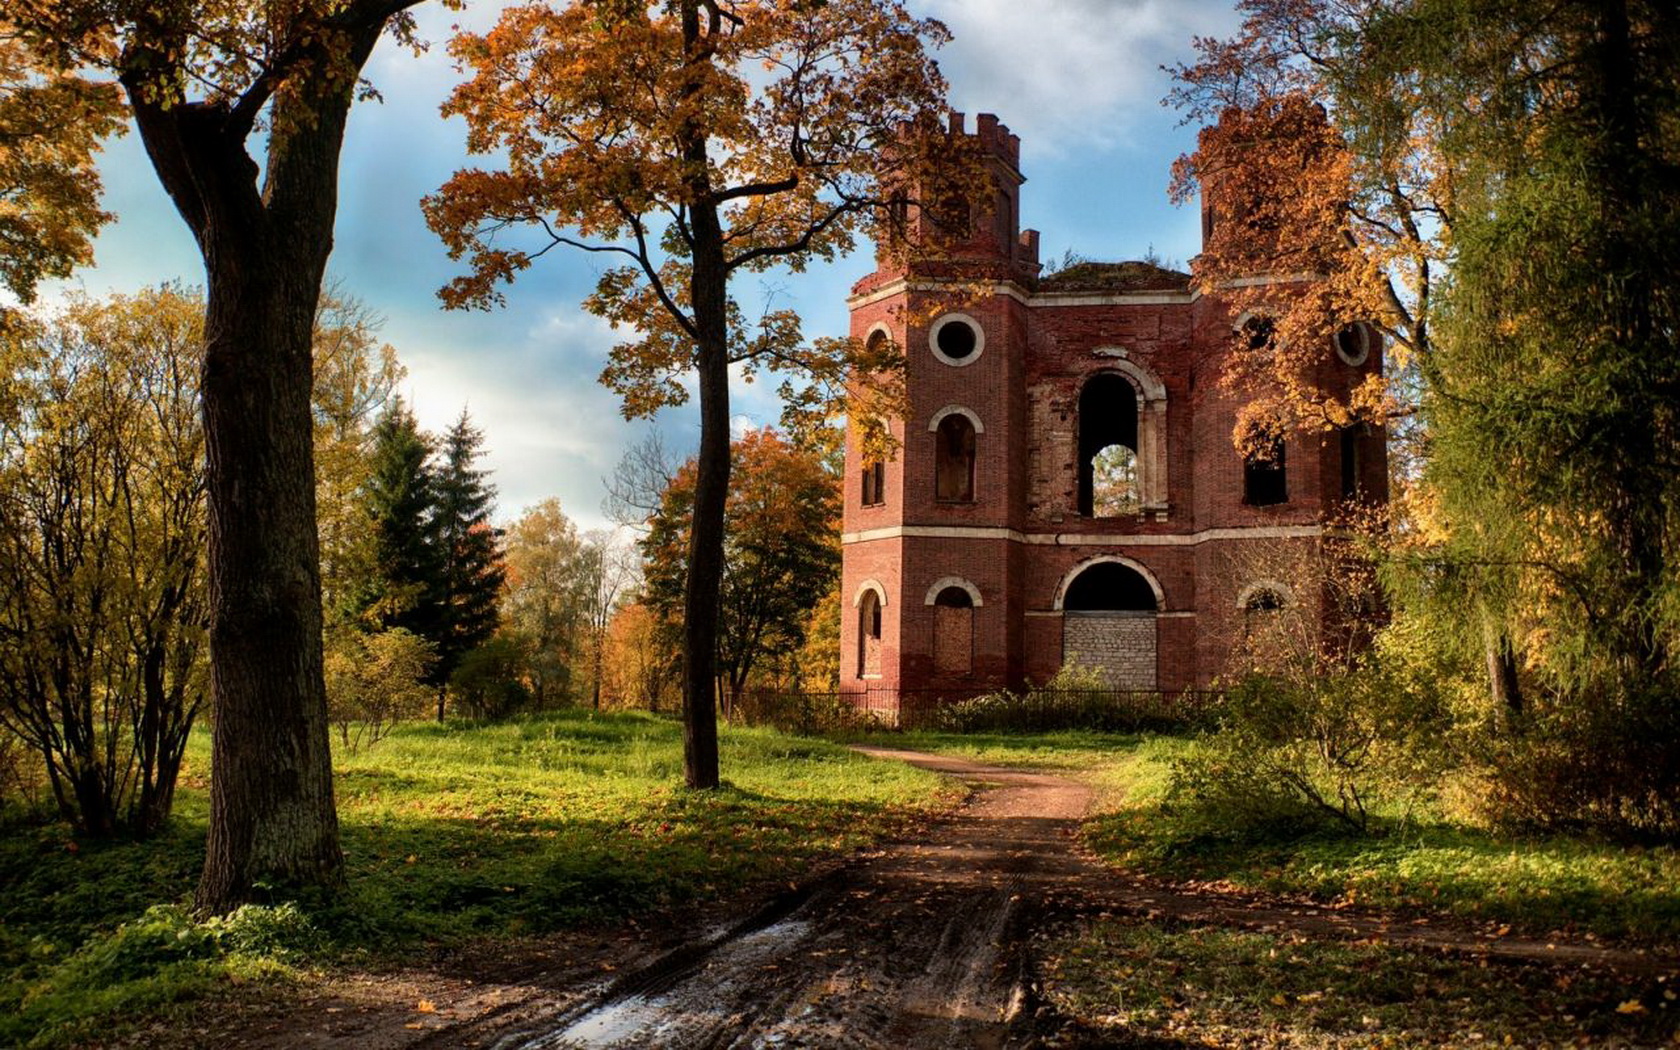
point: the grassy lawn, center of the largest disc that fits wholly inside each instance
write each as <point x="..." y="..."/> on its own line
<point x="1429" y="865"/>
<point x="451" y="833"/>
<point x="1227" y="987"/>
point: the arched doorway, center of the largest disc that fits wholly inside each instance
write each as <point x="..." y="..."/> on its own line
<point x="1109" y="606"/>
<point x="953" y="632"/>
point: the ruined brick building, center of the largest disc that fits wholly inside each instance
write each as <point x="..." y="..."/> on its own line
<point x="1066" y="488"/>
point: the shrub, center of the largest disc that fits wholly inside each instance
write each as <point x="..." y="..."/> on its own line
<point x="375" y="681"/>
<point x="1290" y="756"/>
<point x="1612" y="767"/>
<point x="489" y="682"/>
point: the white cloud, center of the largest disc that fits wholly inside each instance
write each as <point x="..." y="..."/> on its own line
<point x="1071" y="73"/>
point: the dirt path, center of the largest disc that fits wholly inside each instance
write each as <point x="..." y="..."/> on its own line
<point x="920" y="944"/>
<point x="915" y="946"/>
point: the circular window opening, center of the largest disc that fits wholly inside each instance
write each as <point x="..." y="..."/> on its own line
<point x="956" y="339"/>
<point x="1353" y="344"/>
<point x="1258" y="333"/>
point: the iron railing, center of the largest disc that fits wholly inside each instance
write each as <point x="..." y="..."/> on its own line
<point x="1031" y="710"/>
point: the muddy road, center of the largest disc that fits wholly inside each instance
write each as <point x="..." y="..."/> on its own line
<point x="921" y="945"/>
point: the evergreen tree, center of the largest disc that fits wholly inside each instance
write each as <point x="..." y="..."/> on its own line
<point x="470" y="570"/>
<point x="404" y="588"/>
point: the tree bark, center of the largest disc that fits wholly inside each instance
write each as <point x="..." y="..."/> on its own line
<point x="272" y="818"/>
<point x="709" y="298"/>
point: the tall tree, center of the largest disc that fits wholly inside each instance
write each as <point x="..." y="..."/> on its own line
<point x="404" y="587"/>
<point x="781" y="551"/>
<point x="469" y="557"/>
<point x="202" y="79"/>
<point x="698" y="139"/>
<point x="355" y="379"/>
<point x="546" y="562"/>
<point x="102" y="588"/>
<point x="1530" y="152"/>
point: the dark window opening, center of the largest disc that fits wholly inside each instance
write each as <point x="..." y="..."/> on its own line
<point x="869" y="634"/>
<point x="956" y="339"/>
<point x="954" y="598"/>
<point x="954" y="460"/>
<point x="1108" y="447"/>
<point x="1353" y="462"/>
<point x="1352" y="342"/>
<point x="1264" y="600"/>
<point x="1265" y="480"/>
<point x="1258" y="332"/>
<point x="1109" y="587"/>
<point x="874" y="484"/>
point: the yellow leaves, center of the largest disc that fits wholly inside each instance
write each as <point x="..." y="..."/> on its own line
<point x="425" y="1006"/>
<point x="1631" y="1006"/>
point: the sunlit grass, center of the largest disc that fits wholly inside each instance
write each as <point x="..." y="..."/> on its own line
<point x="1424" y="865"/>
<point x="450" y="832"/>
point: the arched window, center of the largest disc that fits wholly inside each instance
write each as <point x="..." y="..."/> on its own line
<point x="1265" y="481"/>
<point x="953" y="632"/>
<point x="869" y="634"/>
<point x="1110" y="586"/>
<point x="1109" y="485"/>
<point x="953" y="455"/>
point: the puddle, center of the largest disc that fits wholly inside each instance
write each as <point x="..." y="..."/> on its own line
<point x="696" y="1003"/>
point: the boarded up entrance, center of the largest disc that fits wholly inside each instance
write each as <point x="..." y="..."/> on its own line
<point x="1108" y="624"/>
<point x="1118" y="646"/>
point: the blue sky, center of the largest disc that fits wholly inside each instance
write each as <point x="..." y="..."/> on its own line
<point x="1078" y="80"/>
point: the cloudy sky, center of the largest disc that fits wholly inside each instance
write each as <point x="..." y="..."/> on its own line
<point x="1078" y="80"/>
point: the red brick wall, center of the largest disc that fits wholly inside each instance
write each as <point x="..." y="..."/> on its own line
<point x="1024" y="386"/>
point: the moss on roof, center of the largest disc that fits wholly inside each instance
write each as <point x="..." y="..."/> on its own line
<point x="1133" y="276"/>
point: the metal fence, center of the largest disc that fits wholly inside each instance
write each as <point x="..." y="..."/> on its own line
<point x="1031" y="710"/>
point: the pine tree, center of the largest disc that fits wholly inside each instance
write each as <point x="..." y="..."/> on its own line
<point x="398" y="501"/>
<point x="470" y="570"/>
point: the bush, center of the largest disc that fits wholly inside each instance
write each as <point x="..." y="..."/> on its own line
<point x="1288" y="757"/>
<point x="375" y="681"/>
<point x="489" y="682"/>
<point x="1612" y="767"/>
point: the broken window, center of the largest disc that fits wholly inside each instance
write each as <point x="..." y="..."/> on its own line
<point x="954" y="460"/>
<point x="953" y="632"/>
<point x="869" y="634"/>
<point x="874" y="484"/>
<point x="1265" y="482"/>
<point x="1352" y="461"/>
<point x="1108" y="448"/>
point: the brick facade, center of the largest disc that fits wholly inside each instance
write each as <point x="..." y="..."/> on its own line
<point x="1026" y="375"/>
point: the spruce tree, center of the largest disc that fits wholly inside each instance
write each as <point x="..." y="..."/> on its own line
<point x="470" y="571"/>
<point x="399" y="499"/>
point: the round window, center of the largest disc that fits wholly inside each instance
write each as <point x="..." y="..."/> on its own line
<point x="1353" y="343"/>
<point x="956" y="339"/>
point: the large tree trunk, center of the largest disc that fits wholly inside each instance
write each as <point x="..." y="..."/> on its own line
<point x="709" y="296"/>
<point x="271" y="798"/>
<point x="265" y="251"/>
<point x="705" y="556"/>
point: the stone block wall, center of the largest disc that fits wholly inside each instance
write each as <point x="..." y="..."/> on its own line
<point x="1119" y="647"/>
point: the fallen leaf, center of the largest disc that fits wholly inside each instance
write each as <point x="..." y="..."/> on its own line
<point x="426" y="1006"/>
<point x="1632" y="1006"/>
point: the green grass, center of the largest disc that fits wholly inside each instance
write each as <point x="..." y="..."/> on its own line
<point x="1229" y="988"/>
<point x="1534" y="884"/>
<point x="451" y="833"/>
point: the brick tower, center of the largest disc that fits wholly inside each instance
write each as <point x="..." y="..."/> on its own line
<point x="1061" y="492"/>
